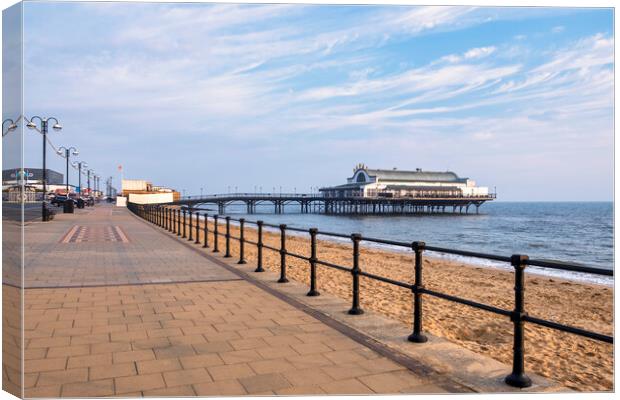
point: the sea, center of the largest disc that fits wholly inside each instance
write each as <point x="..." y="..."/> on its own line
<point x="574" y="232"/>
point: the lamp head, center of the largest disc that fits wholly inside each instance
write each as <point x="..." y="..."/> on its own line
<point x="57" y="127"/>
<point x="12" y="127"/>
<point x="59" y="152"/>
<point x="31" y="125"/>
<point x="76" y="153"/>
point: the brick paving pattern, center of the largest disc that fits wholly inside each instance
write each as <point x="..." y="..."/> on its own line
<point x="73" y="251"/>
<point x="216" y="336"/>
<point x="109" y="233"/>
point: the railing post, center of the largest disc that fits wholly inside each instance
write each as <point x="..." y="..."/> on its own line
<point x="241" y="242"/>
<point x="227" y="236"/>
<point x="174" y="220"/>
<point x="417" y="336"/>
<point x="215" y="241"/>
<point x="313" y="291"/>
<point x="518" y="378"/>
<point x="179" y="222"/>
<point x="165" y="211"/>
<point x="206" y="231"/>
<point x="197" y="228"/>
<point x="283" y="278"/>
<point x="259" y="248"/>
<point x="184" y="224"/>
<point x="190" y="217"/>
<point x="355" y="308"/>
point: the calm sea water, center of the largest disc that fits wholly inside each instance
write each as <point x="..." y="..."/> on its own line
<point x="566" y="231"/>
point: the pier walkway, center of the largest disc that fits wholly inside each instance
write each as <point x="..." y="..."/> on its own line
<point x="114" y="306"/>
<point x="353" y="205"/>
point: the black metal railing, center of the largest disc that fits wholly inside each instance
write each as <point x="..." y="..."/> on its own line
<point x="321" y="196"/>
<point x="518" y="315"/>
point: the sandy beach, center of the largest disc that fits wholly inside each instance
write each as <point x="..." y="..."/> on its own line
<point x="576" y="362"/>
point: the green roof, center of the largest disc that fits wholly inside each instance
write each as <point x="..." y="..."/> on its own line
<point x="395" y="175"/>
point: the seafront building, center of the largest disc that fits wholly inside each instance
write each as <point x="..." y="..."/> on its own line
<point x="141" y="191"/>
<point x="27" y="184"/>
<point x="395" y="183"/>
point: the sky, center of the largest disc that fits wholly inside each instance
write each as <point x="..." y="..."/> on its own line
<point x="214" y="96"/>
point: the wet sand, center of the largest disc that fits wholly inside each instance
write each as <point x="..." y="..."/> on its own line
<point x="578" y="363"/>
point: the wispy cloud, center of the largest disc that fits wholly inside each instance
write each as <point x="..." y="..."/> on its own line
<point x="352" y="81"/>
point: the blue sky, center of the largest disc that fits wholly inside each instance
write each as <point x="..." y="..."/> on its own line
<point x="218" y="95"/>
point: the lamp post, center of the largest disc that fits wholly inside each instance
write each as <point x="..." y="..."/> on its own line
<point x="79" y="165"/>
<point x="12" y="126"/>
<point x="66" y="154"/>
<point x="44" y="124"/>
<point x="88" y="172"/>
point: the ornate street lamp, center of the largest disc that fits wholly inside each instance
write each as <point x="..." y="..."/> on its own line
<point x="88" y="172"/>
<point x="12" y="126"/>
<point x="44" y="124"/>
<point x="79" y="165"/>
<point x="66" y="154"/>
<point x="96" y="179"/>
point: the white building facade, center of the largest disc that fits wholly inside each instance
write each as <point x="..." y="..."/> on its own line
<point x="394" y="183"/>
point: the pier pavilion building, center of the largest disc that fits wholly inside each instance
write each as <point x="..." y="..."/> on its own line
<point x="395" y="183"/>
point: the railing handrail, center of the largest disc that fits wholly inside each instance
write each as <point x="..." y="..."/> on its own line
<point x="321" y="196"/>
<point x="518" y="378"/>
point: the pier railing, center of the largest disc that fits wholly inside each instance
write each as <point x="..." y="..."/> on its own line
<point x="321" y="196"/>
<point x="176" y="220"/>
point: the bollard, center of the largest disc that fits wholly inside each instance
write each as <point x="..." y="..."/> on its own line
<point x="206" y="231"/>
<point x="227" y="236"/>
<point x="215" y="244"/>
<point x="197" y="228"/>
<point x="179" y="222"/>
<point x="518" y="378"/>
<point x="355" y="308"/>
<point x="190" y="217"/>
<point x="259" y="248"/>
<point x="417" y="336"/>
<point x="313" y="291"/>
<point x="282" y="254"/>
<point x="241" y="242"/>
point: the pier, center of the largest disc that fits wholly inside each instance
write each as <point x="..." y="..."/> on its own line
<point x="352" y="205"/>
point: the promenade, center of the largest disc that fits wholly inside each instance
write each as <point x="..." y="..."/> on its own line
<point x="114" y="306"/>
